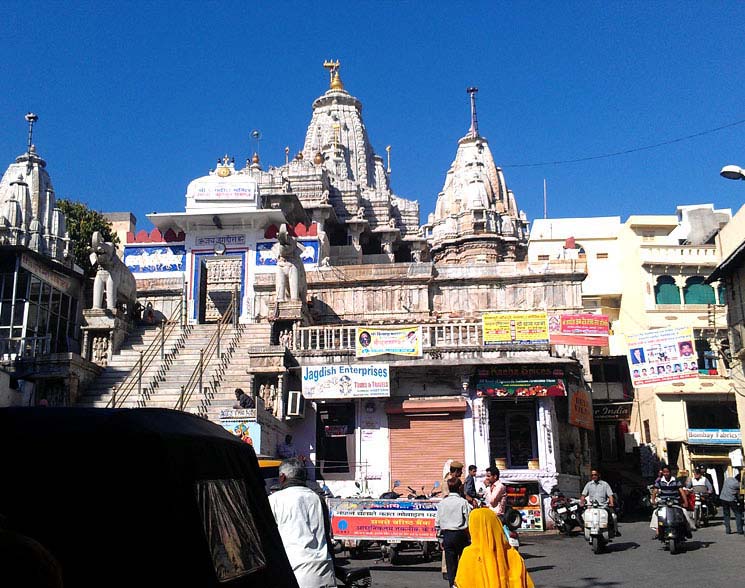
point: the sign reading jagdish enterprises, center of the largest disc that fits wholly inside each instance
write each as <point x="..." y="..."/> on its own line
<point x="327" y="382"/>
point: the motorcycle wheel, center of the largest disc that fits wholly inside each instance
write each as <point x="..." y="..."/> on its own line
<point x="697" y="516"/>
<point x="673" y="546"/>
<point x="597" y="547"/>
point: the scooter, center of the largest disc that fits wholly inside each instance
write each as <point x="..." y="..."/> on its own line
<point x="703" y="509"/>
<point x="598" y="528"/>
<point x="672" y="525"/>
<point x="566" y="513"/>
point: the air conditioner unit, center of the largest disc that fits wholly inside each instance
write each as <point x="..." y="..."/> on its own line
<point x="295" y="404"/>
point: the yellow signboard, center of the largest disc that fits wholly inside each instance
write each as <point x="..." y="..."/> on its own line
<point x="515" y="328"/>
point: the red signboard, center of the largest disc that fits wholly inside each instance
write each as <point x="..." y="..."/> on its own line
<point x="579" y="329"/>
<point x="404" y="520"/>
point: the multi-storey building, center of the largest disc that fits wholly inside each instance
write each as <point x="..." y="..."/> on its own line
<point x="368" y="266"/>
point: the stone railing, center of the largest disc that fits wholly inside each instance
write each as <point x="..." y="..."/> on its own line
<point x="679" y="254"/>
<point x="453" y="335"/>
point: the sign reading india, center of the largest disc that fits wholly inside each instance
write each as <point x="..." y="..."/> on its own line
<point x="367" y="380"/>
<point x="370" y="341"/>
<point x="509" y="329"/>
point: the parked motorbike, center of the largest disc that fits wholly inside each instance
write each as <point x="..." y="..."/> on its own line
<point x="703" y="509"/>
<point x="672" y="525"/>
<point x="565" y="512"/>
<point x="599" y="529"/>
<point x="427" y="549"/>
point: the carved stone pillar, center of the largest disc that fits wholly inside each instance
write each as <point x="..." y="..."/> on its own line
<point x="281" y="395"/>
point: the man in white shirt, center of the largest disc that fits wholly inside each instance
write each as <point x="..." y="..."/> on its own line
<point x="302" y="525"/>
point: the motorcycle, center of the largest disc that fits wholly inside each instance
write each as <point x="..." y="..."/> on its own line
<point x="599" y="529"/>
<point x="703" y="509"/>
<point x="427" y="549"/>
<point x="672" y="525"/>
<point x="565" y="512"/>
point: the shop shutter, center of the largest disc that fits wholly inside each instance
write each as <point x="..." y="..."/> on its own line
<point x="420" y="446"/>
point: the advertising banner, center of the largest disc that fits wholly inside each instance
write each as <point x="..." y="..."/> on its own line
<point x="714" y="436"/>
<point x="346" y="381"/>
<point x="248" y="430"/>
<point x="146" y="260"/>
<point x="580" y="409"/>
<point x="402" y="520"/>
<point x="520" y="388"/>
<point x="616" y="411"/>
<point x="579" y="329"/>
<point x="266" y="255"/>
<point x="529" y="506"/>
<point x="371" y="341"/>
<point x="510" y="329"/>
<point x="662" y="355"/>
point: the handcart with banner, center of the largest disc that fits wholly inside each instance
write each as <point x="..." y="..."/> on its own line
<point x="397" y="525"/>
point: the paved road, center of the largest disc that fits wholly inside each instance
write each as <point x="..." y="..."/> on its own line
<point x="711" y="560"/>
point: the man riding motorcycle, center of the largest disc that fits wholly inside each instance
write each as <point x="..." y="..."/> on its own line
<point x="700" y="483"/>
<point x="667" y="486"/>
<point x="597" y="490"/>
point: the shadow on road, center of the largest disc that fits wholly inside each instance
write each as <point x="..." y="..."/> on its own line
<point x="617" y="547"/>
<point x="389" y="568"/>
<point x="696" y="545"/>
<point x="539" y="569"/>
<point x="587" y="583"/>
<point x="529" y="556"/>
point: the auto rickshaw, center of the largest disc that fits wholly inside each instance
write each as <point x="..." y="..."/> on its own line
<point x="139" y="497"/>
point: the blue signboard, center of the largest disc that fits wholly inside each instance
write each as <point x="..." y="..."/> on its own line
<point x="714" y="436"/>
<point x="266" y="257"/>
<point x="152" y="259"/>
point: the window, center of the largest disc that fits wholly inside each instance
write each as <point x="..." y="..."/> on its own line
<point x="697" y="292"/>
<point x="707" y="358"/>
<point x="722" y="294"/>
<point x="666" y="291"/>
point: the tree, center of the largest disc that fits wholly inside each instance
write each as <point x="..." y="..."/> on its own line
<point x="82" y="222"/>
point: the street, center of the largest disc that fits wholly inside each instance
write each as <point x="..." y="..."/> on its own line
<point x="710" y="559"/>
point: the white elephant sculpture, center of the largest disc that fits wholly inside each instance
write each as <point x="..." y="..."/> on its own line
<point x="113" y="278"/>
<point x="290" y="272"/>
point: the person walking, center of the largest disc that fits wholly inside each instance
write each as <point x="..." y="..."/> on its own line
<point x="469" y="488"/>
<point x="489" y="561"/>
<point x="300" y="519"/>
<point x="496" y="495"/>
<point x="729" y="497"/>
<point x="451" y="522"/>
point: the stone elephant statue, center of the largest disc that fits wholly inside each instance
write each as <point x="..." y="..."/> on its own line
<point x="290" y="273"/>
<point x="113" y="278"/>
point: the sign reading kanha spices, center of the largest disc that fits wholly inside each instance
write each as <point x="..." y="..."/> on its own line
<point x="510" y="329"/>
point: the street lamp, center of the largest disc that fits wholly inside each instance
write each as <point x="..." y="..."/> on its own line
<point x="732" y="172"/>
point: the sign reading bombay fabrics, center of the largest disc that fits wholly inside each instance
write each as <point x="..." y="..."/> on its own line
<point x="371" y="341"/>
<point x="714" y="436"/>
<point x="155" y="259"/>
<point x="580" y="409"/>
<point x="579" y="329"/>
<point x="346" y="381"/>
<point x="510" y="329"/>
<point x="266" y="255"/>
<point x="662" y="355"/>
<point x="227" y="240"/>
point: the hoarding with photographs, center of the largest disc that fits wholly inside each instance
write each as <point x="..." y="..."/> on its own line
<point x="369" y="380"/>
<point x="662" y="355"/>
<point x="371" y="341"/>
<point x="510" y="329"/>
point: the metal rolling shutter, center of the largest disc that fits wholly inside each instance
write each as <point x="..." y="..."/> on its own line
<point x="420" y="446"/>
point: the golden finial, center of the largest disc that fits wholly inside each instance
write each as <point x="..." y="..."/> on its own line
<point x="318" y="159"/>
<point x="334" y="79"/>
<point x="255" y="158"/>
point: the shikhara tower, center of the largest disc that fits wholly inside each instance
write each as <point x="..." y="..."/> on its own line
<point x="476" y="219"/>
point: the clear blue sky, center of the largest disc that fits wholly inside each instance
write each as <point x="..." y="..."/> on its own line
<point x="136" y="99"/>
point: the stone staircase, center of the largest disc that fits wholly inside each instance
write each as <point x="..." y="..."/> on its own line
<point x="121" y="374"/>
<point x="162" y="381"/>
<point x="234" y="374"/>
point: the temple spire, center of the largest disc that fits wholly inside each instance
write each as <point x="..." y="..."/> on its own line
<point x="334" y="79"/>
<point x="474" y="130"/>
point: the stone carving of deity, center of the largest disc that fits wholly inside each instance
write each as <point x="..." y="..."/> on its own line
<point x="290" y="271"/>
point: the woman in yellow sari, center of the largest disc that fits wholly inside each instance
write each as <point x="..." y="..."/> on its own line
<point x="490" y="562"/>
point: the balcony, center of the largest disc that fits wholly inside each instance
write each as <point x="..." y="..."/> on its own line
<point x="703" y="255"/>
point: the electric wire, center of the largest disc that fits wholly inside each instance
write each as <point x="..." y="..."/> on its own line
<point x="626" y="151"/>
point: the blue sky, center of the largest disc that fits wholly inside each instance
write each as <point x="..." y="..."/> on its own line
<point x="137" y="99"/>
